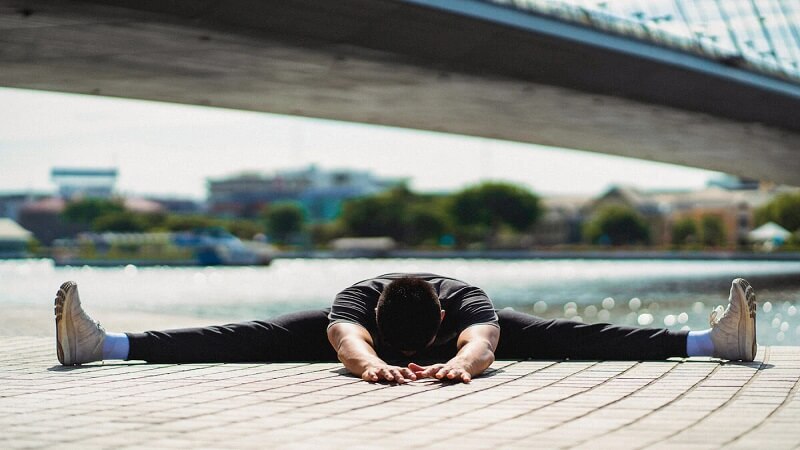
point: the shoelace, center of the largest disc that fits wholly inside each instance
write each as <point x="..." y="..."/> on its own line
<point x="93" y="322"/>
<point x="716" y="315"/>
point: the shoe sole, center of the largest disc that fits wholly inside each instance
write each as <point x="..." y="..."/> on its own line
<point x="747" y="322"/>
<point x="64" y="327"/>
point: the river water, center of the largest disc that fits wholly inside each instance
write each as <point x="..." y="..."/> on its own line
<point x="656" y="293"/>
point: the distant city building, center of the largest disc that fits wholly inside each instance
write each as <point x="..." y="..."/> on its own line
<point x="561" y="222"/>
<point x="84" y="182"/>
<point x="43" y="218"/>
<point x="734" y="207"/>
<point x="321" y="193"/>
<point x="12" y="203"/>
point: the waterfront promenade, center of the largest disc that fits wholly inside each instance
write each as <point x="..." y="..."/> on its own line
<point x="692" y="403"/>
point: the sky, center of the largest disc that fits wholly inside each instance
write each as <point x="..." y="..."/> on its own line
<point x="171" y="150"/>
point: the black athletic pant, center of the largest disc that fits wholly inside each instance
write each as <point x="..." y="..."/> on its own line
<point x="302" y="336"/>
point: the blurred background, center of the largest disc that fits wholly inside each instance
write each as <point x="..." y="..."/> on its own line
<point x="614" y="161"/>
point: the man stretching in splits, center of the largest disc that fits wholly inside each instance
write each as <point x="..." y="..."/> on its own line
<point x="403" y="327"/>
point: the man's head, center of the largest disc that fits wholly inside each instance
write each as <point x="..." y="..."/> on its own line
<point x="408" y="314"/>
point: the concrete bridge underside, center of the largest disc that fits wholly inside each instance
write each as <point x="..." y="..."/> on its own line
<point x="412" y="64"/>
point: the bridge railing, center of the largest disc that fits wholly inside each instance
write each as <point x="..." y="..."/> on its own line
<point x="758" y="35"/>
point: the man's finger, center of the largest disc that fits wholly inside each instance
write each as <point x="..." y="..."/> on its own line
<point x="442" y="372"/>
<point x="466" y="377"/>
<point x="407" y="373"/>
<point x="431" y="370"/>
<point x="369" y="375"/>
<point x="397" y="376"/>
<point x="414" y="367"/>
<point x="386" y="374"/>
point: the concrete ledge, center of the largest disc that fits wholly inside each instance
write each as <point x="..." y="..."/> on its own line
<point x="698" y="403"/>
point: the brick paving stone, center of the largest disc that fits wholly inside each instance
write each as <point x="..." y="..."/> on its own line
<point x="679" y="403"/>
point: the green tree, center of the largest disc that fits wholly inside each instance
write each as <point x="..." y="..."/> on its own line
<point x="712" y="231"/>
<point x="793" y="243"/>
<point x="89" y="209"/>
<point x="121" y="221"/>
<point x="424" y="224"/>
<point x="284" y="220"/>
<point x="399" y="213"/>
<point x="783" y="210"/>
<point x="34" y="247"/>
<point x="684" y="231"/>
<point x="322" y="233"/>
<point x="379" y="215"/>
<point x="617" y="225"/>
<point x="487" y="207"/>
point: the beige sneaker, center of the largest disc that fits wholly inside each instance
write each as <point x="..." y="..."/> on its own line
<point x="79" y="339"/>
<point x="733" y="331"/>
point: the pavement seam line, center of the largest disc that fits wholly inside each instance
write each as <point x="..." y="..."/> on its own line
<point x="441" y="386"/>
<point x="355" y="381"/>
<point x="785" y="401"/>
<point x="553" y="363"/>
<point x="733" y="397"/>
<point x="158" y="366"/>
<point x="607" y="380"/>
<point x="680" y="396"/>
<point x="146" y="426"/>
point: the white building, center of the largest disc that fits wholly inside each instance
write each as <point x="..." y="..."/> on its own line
<point x="84" y="182"/>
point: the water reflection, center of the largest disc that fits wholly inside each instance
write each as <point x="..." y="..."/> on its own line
<point x="775" y="325"/>
<point x="673" y="294"/>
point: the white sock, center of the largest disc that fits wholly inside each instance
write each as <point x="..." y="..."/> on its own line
<point x="116" y="346"/>
<point x="699" y="343"/>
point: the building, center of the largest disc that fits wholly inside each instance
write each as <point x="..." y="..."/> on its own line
<point x="43" y="219"/>
<point x="561" y="222"/>
<point x="12" y="203"/>
<point x="321" y="193"/>
<point x="84" y="182"/>
<point x="735" y="208"/>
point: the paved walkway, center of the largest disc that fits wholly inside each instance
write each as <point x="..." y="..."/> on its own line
<point x="694" y="403"/>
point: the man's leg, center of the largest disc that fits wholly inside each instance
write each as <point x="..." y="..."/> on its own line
<point x="297" y="336"/>
<point x="291" y="337"/>
<point x="732" y="336"/>
<point x="525" y="336"/>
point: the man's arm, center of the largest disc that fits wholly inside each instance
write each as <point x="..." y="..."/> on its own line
<point x="476" y="346"/>
<point x="355" y="349"/>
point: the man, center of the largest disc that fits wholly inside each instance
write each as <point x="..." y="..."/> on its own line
<point x="385" y="328"/>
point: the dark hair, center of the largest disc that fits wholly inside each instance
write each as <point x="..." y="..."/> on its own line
<point x="408" y="314"/>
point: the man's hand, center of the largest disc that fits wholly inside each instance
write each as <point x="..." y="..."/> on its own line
<point x="448" y="371"/>
<point x="395" y="374"/>
<point x="476" y="346"/>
